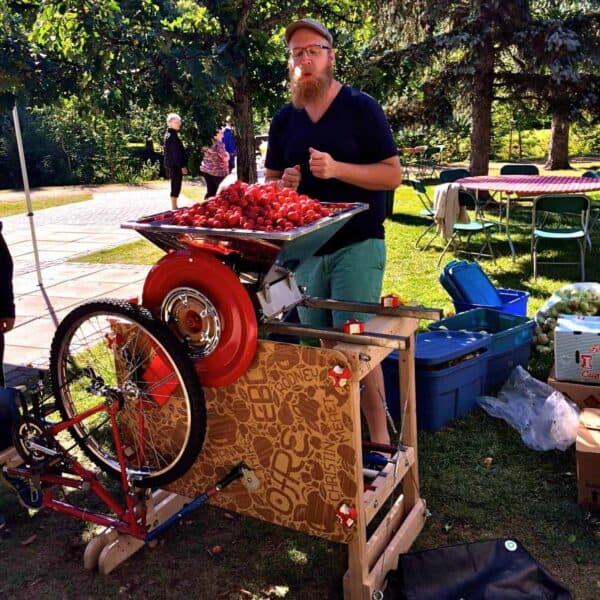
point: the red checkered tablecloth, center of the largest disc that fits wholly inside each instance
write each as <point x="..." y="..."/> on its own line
<point x="531" y="184"/>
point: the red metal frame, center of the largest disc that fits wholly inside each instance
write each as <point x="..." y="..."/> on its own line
<point x="130" y="518"/>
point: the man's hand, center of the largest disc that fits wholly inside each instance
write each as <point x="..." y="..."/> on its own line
<point x="6" y="324"/>
<point x="321" y="164"/>
<point x="184" y="171"/>
<point x="291" y="177"/>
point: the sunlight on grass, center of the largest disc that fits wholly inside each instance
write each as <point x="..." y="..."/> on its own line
<point x="141" y="252"/>
<point x="195" y="192"/>
<point x="415" y="275"/>
<point x="17" y="207"/>
<point x="297" y="556"/>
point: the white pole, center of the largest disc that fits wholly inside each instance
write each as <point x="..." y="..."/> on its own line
<point x="26" y="188"/>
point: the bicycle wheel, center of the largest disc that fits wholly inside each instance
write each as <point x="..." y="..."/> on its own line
<point x="112" y="348"/>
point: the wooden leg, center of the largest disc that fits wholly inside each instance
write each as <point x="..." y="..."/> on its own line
<point x="95" y="547"/>
<point x="111" y="548"/>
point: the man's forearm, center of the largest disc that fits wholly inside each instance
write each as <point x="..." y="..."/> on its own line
<point x="377" y="176"/>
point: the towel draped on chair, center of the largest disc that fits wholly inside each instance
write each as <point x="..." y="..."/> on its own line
<point x="447" y="209"/>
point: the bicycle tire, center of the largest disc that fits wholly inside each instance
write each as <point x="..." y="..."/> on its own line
<point x="162" y="417"/>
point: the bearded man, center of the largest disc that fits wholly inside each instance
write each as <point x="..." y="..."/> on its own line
<point x="334" y="144"/>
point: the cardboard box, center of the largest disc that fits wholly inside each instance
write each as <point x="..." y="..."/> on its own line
<point x="588" y="459"/>
<point x="585" y="395"/>
<point x="577" y="349"/>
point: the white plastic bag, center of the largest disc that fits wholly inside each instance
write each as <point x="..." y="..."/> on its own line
<point x="544" y="418"/>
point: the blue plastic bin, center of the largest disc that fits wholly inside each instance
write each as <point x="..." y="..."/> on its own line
<point x="510" y="343"/>
<point x="514" y="302"/>
<point x="466" y="281"/>
<point x="450" y="370"/>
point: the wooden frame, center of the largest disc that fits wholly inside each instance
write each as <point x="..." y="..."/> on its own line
<point x="298" y="429"/>
<point x="290" y="393"/>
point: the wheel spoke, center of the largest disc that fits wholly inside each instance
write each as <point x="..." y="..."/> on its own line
<point x="135" y="361"/>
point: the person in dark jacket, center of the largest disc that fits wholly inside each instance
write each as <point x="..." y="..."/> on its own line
<point x="7" y="300"/>
<point x="7" y="311"/>
<point x="175" y="156"/>
<point x="230" y="143"/>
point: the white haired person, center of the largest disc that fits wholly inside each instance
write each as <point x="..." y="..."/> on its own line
<point x="175" y="157"/>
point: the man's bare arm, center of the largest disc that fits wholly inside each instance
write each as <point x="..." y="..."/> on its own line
<point x="383" y="175"/>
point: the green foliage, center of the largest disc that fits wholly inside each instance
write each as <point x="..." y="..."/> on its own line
<point x="46" y="163"/>
<point x="66" y="143"/>
<point x="536" y="56"/>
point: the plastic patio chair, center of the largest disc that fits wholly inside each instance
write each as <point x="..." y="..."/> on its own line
<point x="477" y="225"/>
<point x="450" y="175"/>
<point x="426" y="211"/>
<point x="430" y="159"/>
<point x="389" y="203"/>
<point x="519" y="170"/>
<point x="594" y="210"/>
<point x="560" y="218"/>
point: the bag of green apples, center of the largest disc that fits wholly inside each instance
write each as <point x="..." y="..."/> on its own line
<point x="573" y="299"/>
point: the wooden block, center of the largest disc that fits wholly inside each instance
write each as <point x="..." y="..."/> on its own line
<point x="110" y="548"/>
<point x="10" y="457"/>
<point x="94" y="548"/>
<point x="117" y="552"/>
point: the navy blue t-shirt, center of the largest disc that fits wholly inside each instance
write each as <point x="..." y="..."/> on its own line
<point x="353" y="130"/>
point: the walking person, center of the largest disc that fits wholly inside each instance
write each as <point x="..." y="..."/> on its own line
<point x="333" y="143"/>
<point x="215" y="164"/>
<point x="175" y="157"/>
<point x="230" y="143"/>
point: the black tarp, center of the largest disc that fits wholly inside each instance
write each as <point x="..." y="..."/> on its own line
<point x="490" y="570"/>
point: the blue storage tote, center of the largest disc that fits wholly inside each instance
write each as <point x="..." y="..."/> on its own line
<point x="467" y="282"/>
<point x="510" y="343"/>
<point x="450" y="369"/>
<point x="514" y="302"/>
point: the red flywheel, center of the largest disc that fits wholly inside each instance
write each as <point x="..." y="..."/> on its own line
<point x="205" y="305"/>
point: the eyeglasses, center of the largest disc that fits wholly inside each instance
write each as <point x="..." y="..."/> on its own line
<point x="311" y="51"/>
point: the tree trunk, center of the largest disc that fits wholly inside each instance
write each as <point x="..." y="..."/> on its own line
<point x="242" y="102"/>
<point x="242" y="116"/>
<point x="481" y="111"/>
<point x="558" y="149"/>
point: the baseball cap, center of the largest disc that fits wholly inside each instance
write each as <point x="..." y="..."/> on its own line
<point x="308" y="24"/>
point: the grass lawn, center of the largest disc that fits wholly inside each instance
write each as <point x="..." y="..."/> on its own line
<point x="141" y="252"/>
<point x="524" y="494"/>
<point x="17" y="207"/>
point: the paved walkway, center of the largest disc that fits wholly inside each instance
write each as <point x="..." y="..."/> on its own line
<point x="63" y="233"/>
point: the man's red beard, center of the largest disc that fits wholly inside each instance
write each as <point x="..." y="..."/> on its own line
<point x="304" y="91"/>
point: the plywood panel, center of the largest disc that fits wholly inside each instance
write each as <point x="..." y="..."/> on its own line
<point x="286" y="420"/>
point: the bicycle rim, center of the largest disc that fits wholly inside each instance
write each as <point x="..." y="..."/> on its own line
<point x="161" y="422"/>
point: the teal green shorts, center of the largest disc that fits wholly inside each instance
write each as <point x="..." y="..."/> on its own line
<point x="353" y="274"/>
